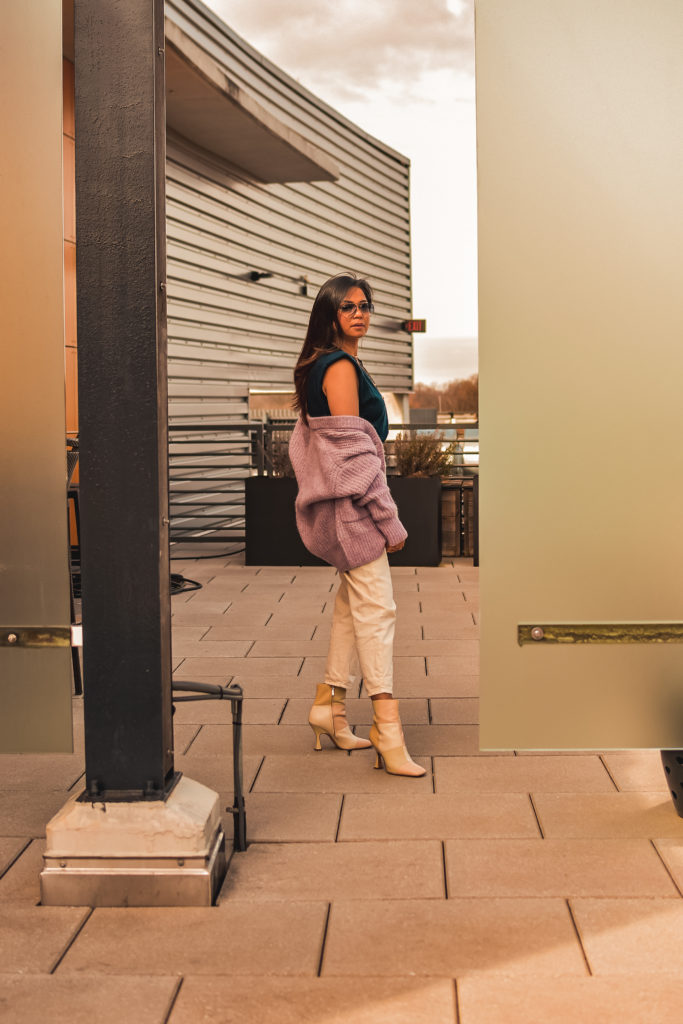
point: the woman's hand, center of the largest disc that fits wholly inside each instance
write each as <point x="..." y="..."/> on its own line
<point x="395" y="547"/>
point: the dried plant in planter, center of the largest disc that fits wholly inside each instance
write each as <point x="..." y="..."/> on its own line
<point x="423" y="454"/>
<point x="277" y="457"/>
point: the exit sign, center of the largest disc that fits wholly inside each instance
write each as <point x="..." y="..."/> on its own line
<point x="414" y="326"/>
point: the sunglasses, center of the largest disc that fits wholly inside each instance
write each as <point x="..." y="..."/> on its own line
<point x="349" y="308"/>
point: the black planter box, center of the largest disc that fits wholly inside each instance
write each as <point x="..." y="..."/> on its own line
<point x="271" y="534"/>
<point x="273" y="539"/>
<point x="418" y="499"/>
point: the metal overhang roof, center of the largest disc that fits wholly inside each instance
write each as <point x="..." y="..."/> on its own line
<point x="206" y="107"/>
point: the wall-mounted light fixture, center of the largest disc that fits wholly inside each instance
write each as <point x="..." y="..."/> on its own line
<point x="301" y="280"/>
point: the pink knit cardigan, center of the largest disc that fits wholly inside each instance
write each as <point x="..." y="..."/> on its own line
<point x="344" y="510"/>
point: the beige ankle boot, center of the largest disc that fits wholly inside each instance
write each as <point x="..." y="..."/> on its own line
<point x="386" y="736"/>
<point x="328" y="715"/>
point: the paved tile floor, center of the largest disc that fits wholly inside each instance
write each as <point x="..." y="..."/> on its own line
<point x="500" y="888"/>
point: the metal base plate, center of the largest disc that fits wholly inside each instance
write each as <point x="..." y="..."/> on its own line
<point x="134" y="882"/>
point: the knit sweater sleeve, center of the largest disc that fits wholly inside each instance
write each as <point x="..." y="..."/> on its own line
<point x="360" y="476"/>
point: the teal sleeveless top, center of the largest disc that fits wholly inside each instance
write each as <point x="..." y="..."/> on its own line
<point x="370" y="402"/>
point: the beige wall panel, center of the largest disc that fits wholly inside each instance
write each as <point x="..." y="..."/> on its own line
<point x="70" y="293"/>
<point x="580" y="153"/>
<point x="35" y="684"/>
<point x="69" y="189"/>
<point x="71" y="368"/>
<point x="69" y="125"/>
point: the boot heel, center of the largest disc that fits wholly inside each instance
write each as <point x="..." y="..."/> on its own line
<point x="379" y="761"/>
<point x="317" y="730"/>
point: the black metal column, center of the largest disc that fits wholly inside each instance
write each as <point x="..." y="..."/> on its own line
<point x="122" y="380"/>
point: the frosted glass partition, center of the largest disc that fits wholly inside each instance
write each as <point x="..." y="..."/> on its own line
<point x="580" y="156"/>
<point x="35" y="682"/>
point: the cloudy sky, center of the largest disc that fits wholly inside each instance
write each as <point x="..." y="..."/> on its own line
<point x="404" y="71"/>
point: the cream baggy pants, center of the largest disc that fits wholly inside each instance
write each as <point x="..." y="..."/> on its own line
<point x="363" y="628"/>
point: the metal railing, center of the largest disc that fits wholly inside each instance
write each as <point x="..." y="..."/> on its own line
<point x="208" y="465"/>
<point x="465" y="457"/>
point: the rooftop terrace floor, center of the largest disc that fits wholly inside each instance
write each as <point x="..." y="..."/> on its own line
<point x="500" y="888"/>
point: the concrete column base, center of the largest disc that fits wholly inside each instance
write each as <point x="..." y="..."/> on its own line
<point x="144" y="854"/>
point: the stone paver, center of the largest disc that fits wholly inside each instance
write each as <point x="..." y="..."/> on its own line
<point x="555" y="867"/>
<point x="200" y="617"/>
<point x="315" y="1001"/>
<point x="46" y="771"/>
<point x="337" y="871"/>
<point x="289" y="648"/>
<point x="464" y="664"/>
<point x="21" y="883"/>
<point x="487" y="891"/>
<point x="246" y="668"/>
<point x="235" y="938"/>
<point x="609" y="1000"/>
<point x="671" y="852"/>
<point x="451" y="740"/>
<point x="607" y="816"/>
<point x="255" y="711"/>
<point x="405" y="670"/>
<point x="184" y="736"/>
<point x="10" y="849"/>
<point x="631" y="936"/>
<point x="188" y="632"/>
<point x="248" y="617"/>
<point x="455" y="711"/>
<point x="25" y="812"/>
<point x="437" y="816"/>
<point x="256" y="739"/>
<point x="215" y="771"/>
<point x="105" y="1000"/>
<point x="219" y="649"/>
<point x="334" y="771"/>
<point x="442" y="685"/>
<point x="292" y="817"/>
<point x="522" y="774"/>
<point x="33" y="939"/>
<point x="208" y="608"/>
<point x="449" y="628"/>
<point x="272" y="630"/>
<point x="317" y="610"/>
<point x="636" y="770"/>
<point x="452" y="937"/>
<point x="275" y="686"/>
<point x="417" y="647"/>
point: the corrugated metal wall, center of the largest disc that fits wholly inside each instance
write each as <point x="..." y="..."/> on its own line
<point x="225" y="330"/>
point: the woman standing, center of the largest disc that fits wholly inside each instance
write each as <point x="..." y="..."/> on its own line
<point x="347" y="517"/>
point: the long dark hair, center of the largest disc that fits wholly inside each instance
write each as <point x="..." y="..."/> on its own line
<point x="322" y="334"/>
